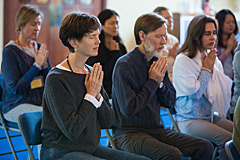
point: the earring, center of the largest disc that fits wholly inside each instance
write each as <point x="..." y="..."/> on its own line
<point x="75" y="49"/>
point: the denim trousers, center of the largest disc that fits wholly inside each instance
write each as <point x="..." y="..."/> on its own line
<point x="100" y="154"/>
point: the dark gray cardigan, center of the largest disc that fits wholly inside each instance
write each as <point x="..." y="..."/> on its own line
<point x="69" y="122"/>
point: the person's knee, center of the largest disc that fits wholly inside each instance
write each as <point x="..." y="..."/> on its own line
<point x="175" y="155"/>
<point x="155" y="154"/>
<point x="171" y="153"/>
<point x="207" y="148"/>
<point x="221" y="143"/>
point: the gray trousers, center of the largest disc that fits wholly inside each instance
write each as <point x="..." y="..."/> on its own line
<point x="218" y="132"/>
<point x="170" y="145"/>
<point x="13" y="114"/>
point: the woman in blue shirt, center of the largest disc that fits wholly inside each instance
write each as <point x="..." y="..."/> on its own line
<point x="24" y="66"/>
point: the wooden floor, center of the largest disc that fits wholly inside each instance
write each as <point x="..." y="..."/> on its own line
<point x="19" y="144"/>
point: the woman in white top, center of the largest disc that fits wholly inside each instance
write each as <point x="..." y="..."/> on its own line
<point x="202" y="87"/>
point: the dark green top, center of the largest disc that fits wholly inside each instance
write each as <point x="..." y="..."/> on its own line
<point x="71" y="123"/>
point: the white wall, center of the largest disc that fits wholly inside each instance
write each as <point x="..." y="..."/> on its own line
<point x="130" y="10"/>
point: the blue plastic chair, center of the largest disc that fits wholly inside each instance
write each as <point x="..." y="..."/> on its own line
<point x="30" y="127"/>
<point x="231" y="151"/>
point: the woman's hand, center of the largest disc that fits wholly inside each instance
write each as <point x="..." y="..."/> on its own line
<point x="93" y="81"/>
<point x="158" y="69"/>
<point x="41" y="56"/>
<point x="208" y="60"/>
<point x="114" y="45"/>
<point x="231" y="43"/>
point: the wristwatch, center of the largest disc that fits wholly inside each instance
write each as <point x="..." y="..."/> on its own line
<point x="161" y="85"/>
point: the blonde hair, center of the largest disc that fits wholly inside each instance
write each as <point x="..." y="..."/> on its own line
<point x="25" y="14"/>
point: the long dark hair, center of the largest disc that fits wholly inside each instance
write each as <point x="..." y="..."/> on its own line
<point x="196" y="29"/>
<point x="220" y="16"/>
<point x="103" y="16"/>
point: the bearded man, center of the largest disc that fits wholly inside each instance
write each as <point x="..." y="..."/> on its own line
<point x="140" y="87"/>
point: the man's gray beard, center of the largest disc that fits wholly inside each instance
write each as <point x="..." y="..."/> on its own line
<point x="151" y="52"/>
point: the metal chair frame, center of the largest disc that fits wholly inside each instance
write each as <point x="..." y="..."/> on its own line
<point x="4" y="125"/>
<point x="30" y="128"/>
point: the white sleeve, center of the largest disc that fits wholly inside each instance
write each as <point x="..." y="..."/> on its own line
<point x="93" y="100"/>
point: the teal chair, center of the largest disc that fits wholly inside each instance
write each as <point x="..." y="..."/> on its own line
<point x="30" y="128"/>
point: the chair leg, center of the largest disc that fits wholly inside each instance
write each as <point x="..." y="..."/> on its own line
<point x="10" y="143"/>
<point x="173" y="121"/>
<point x="110" y="139"/>
<point x="108" y="143"/>
<point x="214" y="157"/>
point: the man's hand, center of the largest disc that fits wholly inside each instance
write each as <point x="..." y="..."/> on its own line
<point x="158" y="69"/>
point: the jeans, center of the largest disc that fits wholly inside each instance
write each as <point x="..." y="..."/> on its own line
<point x="100" y="154"/>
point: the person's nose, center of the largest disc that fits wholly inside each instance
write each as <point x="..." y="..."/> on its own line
<point x="163" y="41"/>
<point x="98" y="41"/>
<point x="37" y="27"/>
<point x="232" y="24"/>
<point x="116" y="26"/>
<point x="213" y="36"/>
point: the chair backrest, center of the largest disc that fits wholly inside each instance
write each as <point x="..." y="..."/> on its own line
<point x="30" y="127"/>
<point x="231" y="151"/>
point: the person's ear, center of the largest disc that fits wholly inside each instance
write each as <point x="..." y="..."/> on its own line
<point x="72" y="42"/>
<point x="142" y="35"/>
<point x="102" y="27"/>
<point x="21" y="27"/>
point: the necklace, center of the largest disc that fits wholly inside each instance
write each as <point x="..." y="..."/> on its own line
<point x="85" y="68"/>
<point x="69" y="65"/>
